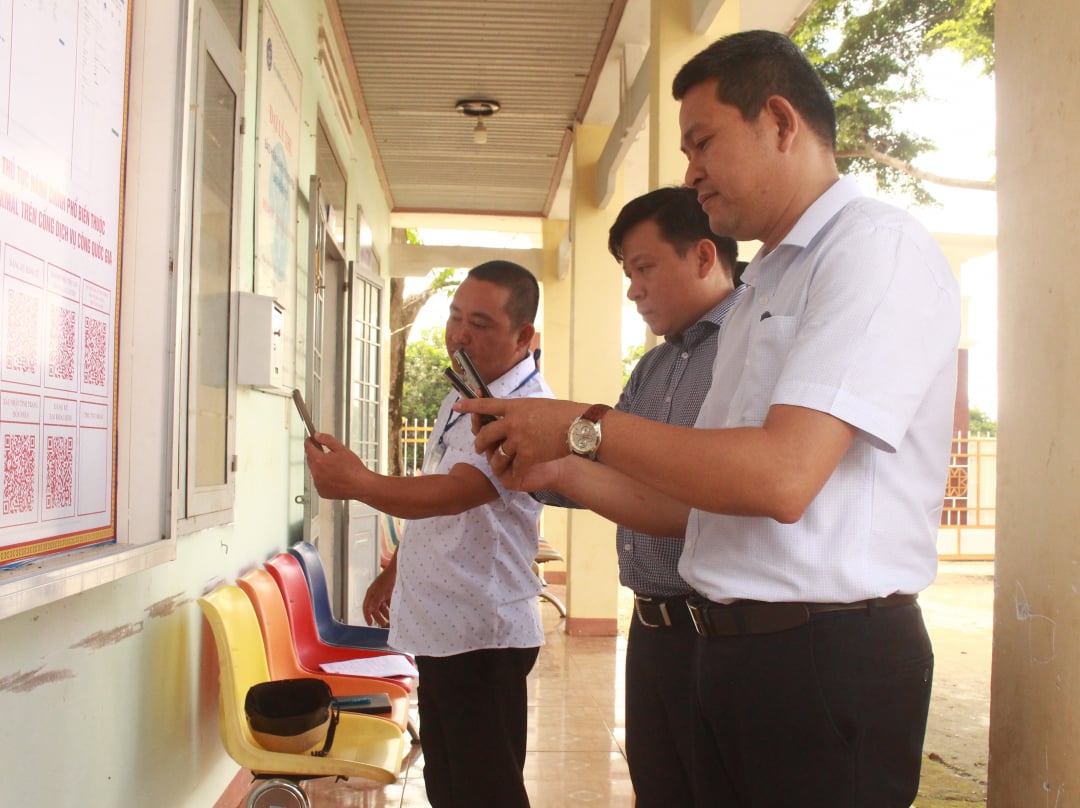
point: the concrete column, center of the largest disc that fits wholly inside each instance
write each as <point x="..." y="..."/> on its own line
<point x="555" y="291"/>
<point x="672" y="44"/>
<point x="595" y="375"/>
<point x="1035" y="690"/>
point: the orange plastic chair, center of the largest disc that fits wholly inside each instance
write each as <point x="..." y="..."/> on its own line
<point x="310" y="650"/>
<point x="281" y="657"/>
<point x="364" y="746"/>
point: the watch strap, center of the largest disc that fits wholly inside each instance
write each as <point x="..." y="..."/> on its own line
<point x="596" y="412"/>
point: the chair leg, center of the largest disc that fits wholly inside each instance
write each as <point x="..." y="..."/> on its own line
<point x="413" y="734"/>
<point x="554" y="601"/>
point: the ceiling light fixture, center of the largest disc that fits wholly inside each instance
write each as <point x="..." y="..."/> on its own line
<point x="479" y="108"/>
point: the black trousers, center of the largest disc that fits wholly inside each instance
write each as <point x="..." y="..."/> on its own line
<point x="831" y="714"/>
<point x="473" y="720"/>
<point x="660" y="713"/>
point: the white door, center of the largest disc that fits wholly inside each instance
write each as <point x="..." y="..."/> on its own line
<point x="364" y="416"/>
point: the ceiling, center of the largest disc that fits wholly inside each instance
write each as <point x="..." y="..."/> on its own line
<point x="541" y="61"/>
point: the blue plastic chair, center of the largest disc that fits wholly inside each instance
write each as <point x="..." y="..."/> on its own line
<point x="331" y="630"/>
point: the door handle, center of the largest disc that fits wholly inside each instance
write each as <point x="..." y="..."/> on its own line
<point x="300" y="499"/>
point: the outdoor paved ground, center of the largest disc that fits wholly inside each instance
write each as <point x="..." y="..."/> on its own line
<point x="958" y="609"/>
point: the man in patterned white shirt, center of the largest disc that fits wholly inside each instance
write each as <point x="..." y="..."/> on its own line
<point x="461" y="590"/>
<point x="681" y="282"/>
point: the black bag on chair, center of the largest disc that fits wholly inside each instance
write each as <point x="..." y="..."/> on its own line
<point x="292" y="715"/>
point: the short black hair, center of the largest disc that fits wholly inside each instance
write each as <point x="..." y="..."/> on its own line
<point x="680" y="219"/>
<point x="750" y="66"/>
<point x="524" y="297"/>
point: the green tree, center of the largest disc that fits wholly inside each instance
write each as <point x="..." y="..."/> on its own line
<point x="404" y="310"/>
<point x="870" y="54"/>
<point x="425" y="386"/>
<point x="979" y="423"/>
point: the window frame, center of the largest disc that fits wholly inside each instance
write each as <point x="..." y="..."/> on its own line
<point x="199" y="507"/>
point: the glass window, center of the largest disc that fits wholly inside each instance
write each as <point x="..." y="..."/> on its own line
<point x="210" y="389"/>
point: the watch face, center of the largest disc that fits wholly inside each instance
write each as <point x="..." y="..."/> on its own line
<point x="583" y="436"/>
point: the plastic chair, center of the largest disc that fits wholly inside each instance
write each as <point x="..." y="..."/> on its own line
<point x="389" y="538"/>
<point x="364" y="746"/>
<point x="331" y="630"/>
<point x="310" y="649"/>
<point x="546" y="552"/>
<point x="281" y="657"/>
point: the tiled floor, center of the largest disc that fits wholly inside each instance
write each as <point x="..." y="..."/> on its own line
<point x="575" y="754"/>
<point x="576" y="725"/>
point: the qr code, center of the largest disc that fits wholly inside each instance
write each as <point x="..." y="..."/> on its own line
<point x="58" y="467"/>
<point x="95" y="333"/>
<point x="61" y="343"/>
<point x="19" y="473"/>
<point x="22" y="331"/>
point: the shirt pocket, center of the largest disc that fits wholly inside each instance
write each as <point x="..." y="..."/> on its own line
<point x="770" y="342"/>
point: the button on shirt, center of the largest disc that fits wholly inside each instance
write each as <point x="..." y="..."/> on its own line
<point x="856" y="313"/>
<point x="668" y="384"/>
<point x="465" y="582"/>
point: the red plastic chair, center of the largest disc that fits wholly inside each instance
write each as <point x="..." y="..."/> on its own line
<point x="310" y="650"/>
<point x="281" y="657"/>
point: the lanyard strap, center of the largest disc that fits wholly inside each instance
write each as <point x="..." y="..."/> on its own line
<point x="451" y="421"/>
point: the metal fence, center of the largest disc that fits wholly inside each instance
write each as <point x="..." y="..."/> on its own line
<point x="414" y="435"/>
<point x="968" y="518"/>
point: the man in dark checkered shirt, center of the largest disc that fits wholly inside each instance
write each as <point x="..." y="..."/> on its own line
<point x="681" y="281"/>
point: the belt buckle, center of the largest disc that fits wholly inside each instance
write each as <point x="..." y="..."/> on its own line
<point x="697" y="617"/>
<point x="662" y="607"/>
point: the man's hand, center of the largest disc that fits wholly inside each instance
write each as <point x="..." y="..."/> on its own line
<point x="377" y="599"/>
<point x="526" y="431"/>
<point x="336" y="471"/>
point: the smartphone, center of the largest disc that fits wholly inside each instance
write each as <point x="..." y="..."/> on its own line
<point x="466" y="390"/>
<point x="372" y="704"/>
<point x="472" y="376"/>
<point x="305" y="415"/>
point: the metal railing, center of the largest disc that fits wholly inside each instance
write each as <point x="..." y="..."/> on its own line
<point x="968" y="517"/>
<point x="414" y="436"/>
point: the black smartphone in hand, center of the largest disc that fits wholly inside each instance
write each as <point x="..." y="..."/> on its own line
<point x="466" y="390"/>
<point x="472" y="375"/>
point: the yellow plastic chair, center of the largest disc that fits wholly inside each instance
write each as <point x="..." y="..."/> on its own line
<point x="364" y="746"/>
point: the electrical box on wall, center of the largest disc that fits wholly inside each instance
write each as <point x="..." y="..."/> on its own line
<point x="260" y="350"/>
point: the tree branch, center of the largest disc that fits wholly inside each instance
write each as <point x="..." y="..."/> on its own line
<point x="918" y="173"/>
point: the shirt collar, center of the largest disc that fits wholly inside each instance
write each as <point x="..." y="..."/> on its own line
<point x="516" y="376"/>
<point x="710" y="321"/>
<point x="814" y="218"/>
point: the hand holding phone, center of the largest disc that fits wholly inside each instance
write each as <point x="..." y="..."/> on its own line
<point x="305" y="415"/>
<point x="466" y="390"/>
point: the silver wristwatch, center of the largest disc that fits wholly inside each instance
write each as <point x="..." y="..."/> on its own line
<point x="584" y="432"/>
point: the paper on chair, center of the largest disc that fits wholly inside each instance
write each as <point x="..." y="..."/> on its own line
<point x="385" y="665"/>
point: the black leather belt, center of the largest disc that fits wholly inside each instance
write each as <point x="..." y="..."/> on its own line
<point x="661" y="612"/>
<point x="756" y="617"/>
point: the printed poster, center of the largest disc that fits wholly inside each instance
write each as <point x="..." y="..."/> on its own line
<point x="61" y="146"/>
<point x="277" y="183"/>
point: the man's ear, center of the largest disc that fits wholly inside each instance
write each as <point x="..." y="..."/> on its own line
<point x="525" y="336"/>
<point x="784" y="119"/>
<point x="705" y="256"/>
